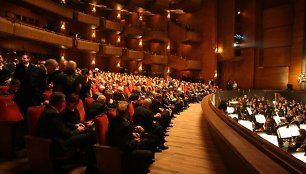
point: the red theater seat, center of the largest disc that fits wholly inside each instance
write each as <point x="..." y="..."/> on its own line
<point x="4" y="88"/>
<point x="9" y="111"/>
<point x="34" y="113"/>
<point x="131" y="111"/>
<point x="88" y="102"/>
<point x="81" y="109"/>
<point x="108" y="158"/>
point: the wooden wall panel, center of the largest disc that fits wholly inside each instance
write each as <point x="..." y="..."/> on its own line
<point x="271" y="78"/>
<point x="278" y="16"/>
<point x="278" y="37"/>
<point x="279" y="56"/>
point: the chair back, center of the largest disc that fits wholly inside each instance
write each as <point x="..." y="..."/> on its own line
<point x="101" y="126"/>
<point x="9" y="111"/>
<point x="131" y="111"/>
<point x="34" y="113"/>
<point x="81" y="109"/>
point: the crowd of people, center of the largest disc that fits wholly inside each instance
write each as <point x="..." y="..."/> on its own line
<point x="278" y="113"/>
<point x="155" y="101"/>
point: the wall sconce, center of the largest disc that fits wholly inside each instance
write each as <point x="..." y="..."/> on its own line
<point x="93" y="9"/>
<point x="140" y="17"/>
<point x="168" y="70"/>
<point x="118" y="40"/>
<point x="168" y="15"/>
<point x="302" y="77"/>
<point x="140" y="42"/>
<point x="218" y="50"/>
<point x="238" y="12"/>
<point x="63" y="2"/>
<point x="119" y="14"/>
<point x="93" y="62"/>
<point x="118" y="64"/>
<point x="216" y="74"/>
<point x="63" y="26"/>
<point x="140" y="67"/>
<point x="168" y="46"/>
<point x="93" y="34"/>
<point x="62" y="57"/>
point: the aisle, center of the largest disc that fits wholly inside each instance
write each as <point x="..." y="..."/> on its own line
<point x="191" y="150"/>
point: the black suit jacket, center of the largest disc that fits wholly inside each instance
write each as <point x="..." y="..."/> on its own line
<point x="144" y="118"/>
<point x="21" y="71"/>
<point x="95" y="109"/>
<point x="120" y="134"/>
<point x="51" y="125"/>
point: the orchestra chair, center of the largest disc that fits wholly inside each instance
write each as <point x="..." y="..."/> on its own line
<point x="81" y="109"/>
<point x="108" y="158"/>
<point x="10" y="118"/>
<point x="6" y="98"/>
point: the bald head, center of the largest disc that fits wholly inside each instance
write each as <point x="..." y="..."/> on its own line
<point x="51" y="65"/>
<point x="71" y="65"/>
<point x="147" y="102"/>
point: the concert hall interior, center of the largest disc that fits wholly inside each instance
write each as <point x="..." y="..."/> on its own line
<point x="152" y="86"/>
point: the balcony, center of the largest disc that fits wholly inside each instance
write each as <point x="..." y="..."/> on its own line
<point x="132" y="55"/>
<point x="85" y="45"/>
<point x="88" y="19"/>
<point x="188" y="6"/>
<point x="111" y="50"/>
<point x="158" y="6"/>
<point x="111" y="25"/>
<point x="155" y="36"/>
<point x="156" y="59"/>
<point x="52" y="7"/>
<point x="181" y="35"/>
<point x="184" y="64"/>
<point x="138" y="3"/>
<point x="6" y="27"/>
<point x="194" y="65"/>
<point x="41" y="35"/>
<point x="132" y="31"/>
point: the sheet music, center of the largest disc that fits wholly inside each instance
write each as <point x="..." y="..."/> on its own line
<point x="260" y="118"/>
<point x="247" y="124"/>
<point x="233" y="115"/>
<point x="291" y="131"/>
<point x="271" y="138"/>
<point x="249" y="111"/>
<point x="230" y="110"/>
<point x="303" y="126"/>
<point x="277" y="119"/>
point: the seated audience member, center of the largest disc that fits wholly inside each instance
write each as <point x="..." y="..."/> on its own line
<point x="143" y="117"/>
<point x="71" y="114"/>
<point x="13" y="87"/>
<point x="97" y="108"/>
<point x="51" y="125"/>
<point x="86" y="85"/>
<point x="124" y="135"/>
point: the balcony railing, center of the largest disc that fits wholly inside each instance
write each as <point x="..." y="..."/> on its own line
<point x="111" y="25"/>
<point x="111" y="50"/>
<point x="156" y="36"/>
<point x="188" y="6"/>
<point x="184" y="64"/>
<point x="52" y="7"/>
<point x="155" y="59"/>
<point x="6" y="27"/>
<point x="88" y="19"/>
<point x="180" y="34"/>
<point x="39" y="34"/>
<point x="139" y="3"/>
<point x="87" y="45"/>
<point x="132" y="31"/>
<point x="132" y="55"/>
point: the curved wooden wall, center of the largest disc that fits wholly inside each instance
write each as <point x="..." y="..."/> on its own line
<point x="242" y="150"/>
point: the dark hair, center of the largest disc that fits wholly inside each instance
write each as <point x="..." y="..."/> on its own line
<point x="57" y="98"/>
<point x="72" y="98"/>
<point x="122" y="108"/>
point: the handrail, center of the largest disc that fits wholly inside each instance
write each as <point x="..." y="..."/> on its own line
<point x="258" y="155"/>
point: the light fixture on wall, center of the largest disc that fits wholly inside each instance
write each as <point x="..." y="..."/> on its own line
<point x="63" y="2"/>
<point x="302" y="77"/>
<point x="140" y="67"/>
<point x="62" y="57"/>
<point x="118" y="64"/>
<point x="93" y="9"/>
<point x="168" y="15"/>
<point x="140" y="43"/>
<point x="93" y="62"/>
<point x="140" y="17"/>
<point x="218" y="50"/>
<point x="93" y="34"/>
<point x="168" y="46"/>
<point x="118" y="39"/>
<point x="119" y="14"/>
<point x="63" y="25"/>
